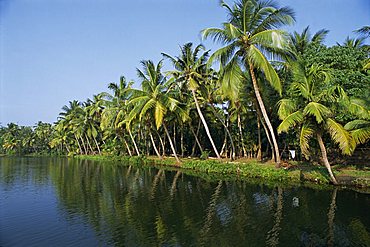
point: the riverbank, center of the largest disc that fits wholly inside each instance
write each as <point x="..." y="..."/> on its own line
<point x="292" y="173"/>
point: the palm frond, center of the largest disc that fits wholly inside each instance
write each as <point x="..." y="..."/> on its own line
<point x="319" y="111"/>
<point x="285" y="108"/>
<point x="304" y="138"/>
<point x="341" y="136"/>
<point x="256" y="57"/>
<point x="290" y="121"/>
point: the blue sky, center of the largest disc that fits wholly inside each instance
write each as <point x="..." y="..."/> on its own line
<point x="54" y="51"/>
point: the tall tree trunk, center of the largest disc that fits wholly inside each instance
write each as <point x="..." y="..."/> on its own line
<point x="128" y="148"/>
<point x="162" y="143"/>
<point x="174" y="136"/>
<point x="325" y="158"/>
<point x="196" y="140"/>
<point x="227" y="131"/>
<point x="205" y="124"/>
<point x="154" y="146"/>
<point x="267" y="135"/>
<point x="96" y="143"/>
<point x="88" y="142"/>
<point x="133" y="141"/>
<point x="259" y="152"/>
<point x="171" y="144"/>
<point x="84" y="145"/>
<point x="182" y="139"/>
<point x="241" y="135"/>
<point x="264" y="114"/>
<point x="196" y="137"/>
<point x="81" y="151"/>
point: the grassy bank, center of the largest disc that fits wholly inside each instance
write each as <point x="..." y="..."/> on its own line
<point x="251" y="170"/>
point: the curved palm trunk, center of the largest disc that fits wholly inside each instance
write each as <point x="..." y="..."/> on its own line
<point x="259" y="154"/>
<point x="96" y="143"/>
<point x="264" y="114"/>
<point x="196" y="136"/>
<point x="128" y="148"/>
<point x="325" y="158"/>
<point x="267" y="135"/>
<point x="241" y="135"/>
<point x="196" y="140"/>
<point x="133" y="140"/>
<point x="205" y="124"/>
<point x="227" y="132"/>
<point x="79" y="145"/>
<point x="171" y="144"/>
<point x="154" y="146"/>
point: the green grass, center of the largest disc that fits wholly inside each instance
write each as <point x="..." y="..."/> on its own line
<point x="300" y="173"/>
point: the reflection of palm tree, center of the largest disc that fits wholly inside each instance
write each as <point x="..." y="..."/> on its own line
<point x="331" y="215"/>
<point x="210" y="212"/>
<point x="273" y="234"/>
<point x="174" y="184"/>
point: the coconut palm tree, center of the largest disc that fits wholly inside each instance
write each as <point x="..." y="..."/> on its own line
<point x="192" y="70"/>
<point x="300" y="41"/>
<point x="249" y="32"/>
<point x="153" y="99"/>
<point x="309" y="107"/>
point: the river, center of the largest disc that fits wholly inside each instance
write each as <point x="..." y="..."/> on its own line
<point x="69" y="202"/>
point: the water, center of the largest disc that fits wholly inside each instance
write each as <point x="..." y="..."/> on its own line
<point x="67" y="202"/>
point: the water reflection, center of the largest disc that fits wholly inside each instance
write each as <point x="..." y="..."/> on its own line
<point x="136" y="206"/>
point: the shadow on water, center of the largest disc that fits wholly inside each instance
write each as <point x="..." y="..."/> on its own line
<point x="137" y="206"/>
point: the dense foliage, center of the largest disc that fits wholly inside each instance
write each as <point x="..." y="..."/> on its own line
<point x="226" y="104"/>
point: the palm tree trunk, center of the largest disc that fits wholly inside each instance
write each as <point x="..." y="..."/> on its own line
<point x="241" y="135"/>
<point x="81" y="151"/>
<point x="227" y="131"/>
<point x="171" y="144"/>
<point x="162" y="143"/>
<point x="201" y="149"/>
<point x="88" y="142"/>
<point x="267" y="135"/>
<point x="154" y="146"/>
<point x="128" y="148"/>
<point x="259" y="152"/>
<point x="196" y="140"/>
<point x="84" y="145"/>
<point x="205" y="124"/>
<point x="182" y="139"/>
<point x="96" y="143"/>
<point x="325" y="158"/>
<point x="264" y="114"/>
<point x="133" y="141"/>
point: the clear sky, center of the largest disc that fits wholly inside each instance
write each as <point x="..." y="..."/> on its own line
<point x="54" y="51"/>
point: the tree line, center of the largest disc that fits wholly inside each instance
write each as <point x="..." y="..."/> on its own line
<point x="265" y="91"/>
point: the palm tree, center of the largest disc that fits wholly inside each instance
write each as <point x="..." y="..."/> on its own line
<point x="309" y="107"/>
<point x="116" y="110"/>
<point x="153" y="99"/>
<point x="248" y="32"/>
<point x="300" y="41"/>
<point x="192" y="70"/>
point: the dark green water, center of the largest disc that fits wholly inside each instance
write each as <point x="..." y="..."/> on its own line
<point x="66" y="202"/>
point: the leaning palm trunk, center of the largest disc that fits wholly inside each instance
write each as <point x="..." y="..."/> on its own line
<point x="79" y="146"/>
<point x="325" y="158"/>
<point x="264" y="114"/>
<point x="154" y="146"/>
<point x="241" y="135"/>
<point x="259" y="153"/>
<point x="267" y="134"/>
<point x="133" y="141"/>
<point x="205" y="124"/>
<point x="227" y="132"/>
<point x="88" y="142"/>
<point x="196" y="140"/>
<point x="96" y="143"/>
<point x="171" y="144"/>
<point x="128" y="148"/>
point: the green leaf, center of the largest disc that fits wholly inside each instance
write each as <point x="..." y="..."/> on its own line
<point x="158" y="115"/>
<point x="286" y="107"/>
<point x="318" y="110"/>
<point x="304" y="138"/>
<point x="259" y="61"/>
<point x="341" y="136"/>
<point x="290" y="121"/>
